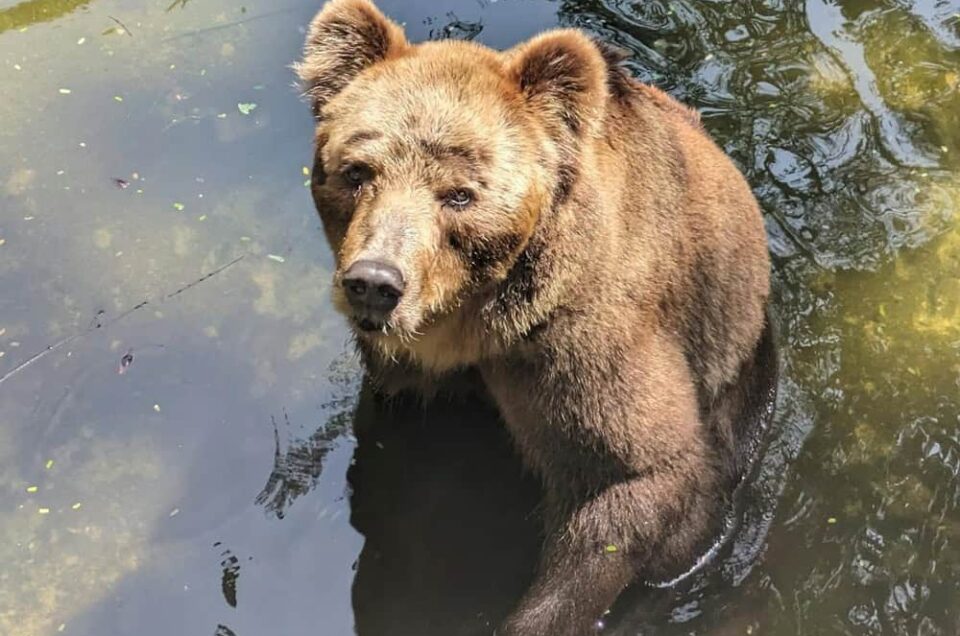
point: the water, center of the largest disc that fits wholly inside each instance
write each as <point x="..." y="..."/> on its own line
<point x="154" y="152"/>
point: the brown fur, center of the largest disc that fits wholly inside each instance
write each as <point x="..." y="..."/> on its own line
<point x="609" y="280"/>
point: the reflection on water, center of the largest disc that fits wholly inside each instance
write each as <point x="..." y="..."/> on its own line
<point x="152" y="203"/>
<point x="449" y="519"/>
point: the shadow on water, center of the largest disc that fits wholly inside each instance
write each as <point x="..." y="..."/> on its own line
<point x="448" y="517"/>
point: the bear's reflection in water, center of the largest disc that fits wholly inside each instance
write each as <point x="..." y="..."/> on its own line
<point x="449" y="516"/>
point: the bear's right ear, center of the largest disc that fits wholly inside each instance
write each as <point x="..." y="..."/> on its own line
<point x="346" y="37"/>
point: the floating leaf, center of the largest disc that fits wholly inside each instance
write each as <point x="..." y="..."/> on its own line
<point x="125" y="362"/>
<point x="610" y="548"/>
<point x="246" y="108"/>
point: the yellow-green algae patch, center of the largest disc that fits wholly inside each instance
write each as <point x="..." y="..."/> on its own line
<point x="56" y="565"/>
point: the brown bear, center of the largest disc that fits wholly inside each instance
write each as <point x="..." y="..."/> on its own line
<point x="539" y="220"/>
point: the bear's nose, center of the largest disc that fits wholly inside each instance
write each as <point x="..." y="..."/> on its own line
<point x="373" y="286"/>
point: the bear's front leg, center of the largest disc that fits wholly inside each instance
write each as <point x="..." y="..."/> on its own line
<point x="631" y="479"/>
<point x="640" y="527"/>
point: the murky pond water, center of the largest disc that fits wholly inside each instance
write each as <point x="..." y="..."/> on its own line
<point x="176" y="396"/>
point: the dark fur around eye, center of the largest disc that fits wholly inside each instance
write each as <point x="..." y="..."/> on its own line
<point x="458" y="199"/>
<point x="356" y="174"/>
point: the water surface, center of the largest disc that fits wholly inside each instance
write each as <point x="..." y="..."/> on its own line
<point x="177" y="457"/>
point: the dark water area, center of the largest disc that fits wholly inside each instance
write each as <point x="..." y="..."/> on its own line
<point x="186" y="446"/>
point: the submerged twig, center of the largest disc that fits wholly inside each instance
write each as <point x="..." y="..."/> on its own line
<point x="228" y="25"/>
<point x="98" y="324"/>
<point x="122" y="25"/>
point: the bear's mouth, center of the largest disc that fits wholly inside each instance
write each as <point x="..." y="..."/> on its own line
<point x="370" y="326"/>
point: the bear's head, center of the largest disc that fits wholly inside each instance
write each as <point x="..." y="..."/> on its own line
<point x="435" y="166"/>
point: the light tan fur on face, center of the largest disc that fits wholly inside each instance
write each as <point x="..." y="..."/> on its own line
<point x="396" y="116"/>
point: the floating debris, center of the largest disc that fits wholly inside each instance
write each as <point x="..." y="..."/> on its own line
<point x="44" y="511"/>
<point x="274" y="257"/>
<point x="123" y="184"/>
<point x="32" y="489"/>
<point x="174" y="512"/>
<point x="246" y="108"/>
<point x="125" y="361"/>
<point x="49" y="464"/>
<point x="65" y="91"/>
<point x="76" y="506"/>
<point x="3" y="242"/>
<point x="178" y="207"/>
<point x="123" y="27"/>
<point x="610" y="548"/>
<point x="81" y="40"/>
<point x="832" y="520"/>
<point x="306" y="171"/>
<point x="156" y="407"/>
<point x="117" y="98"/>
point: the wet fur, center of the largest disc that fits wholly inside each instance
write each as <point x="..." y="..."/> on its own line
<point x="609" y="288"/>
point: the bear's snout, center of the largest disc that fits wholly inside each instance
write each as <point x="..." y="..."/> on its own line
<point x="373" y="289"/>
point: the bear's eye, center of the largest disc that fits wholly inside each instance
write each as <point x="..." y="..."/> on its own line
<point x="357" y="174"/>
<point x="458" y="199"/>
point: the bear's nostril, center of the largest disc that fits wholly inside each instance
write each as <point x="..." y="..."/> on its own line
<point x="357" y="288"/>
<point x="389" y="292"/>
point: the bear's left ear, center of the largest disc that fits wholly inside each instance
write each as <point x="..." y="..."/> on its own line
<point x="346" y="37"/>
<point x="564" y="75"/>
